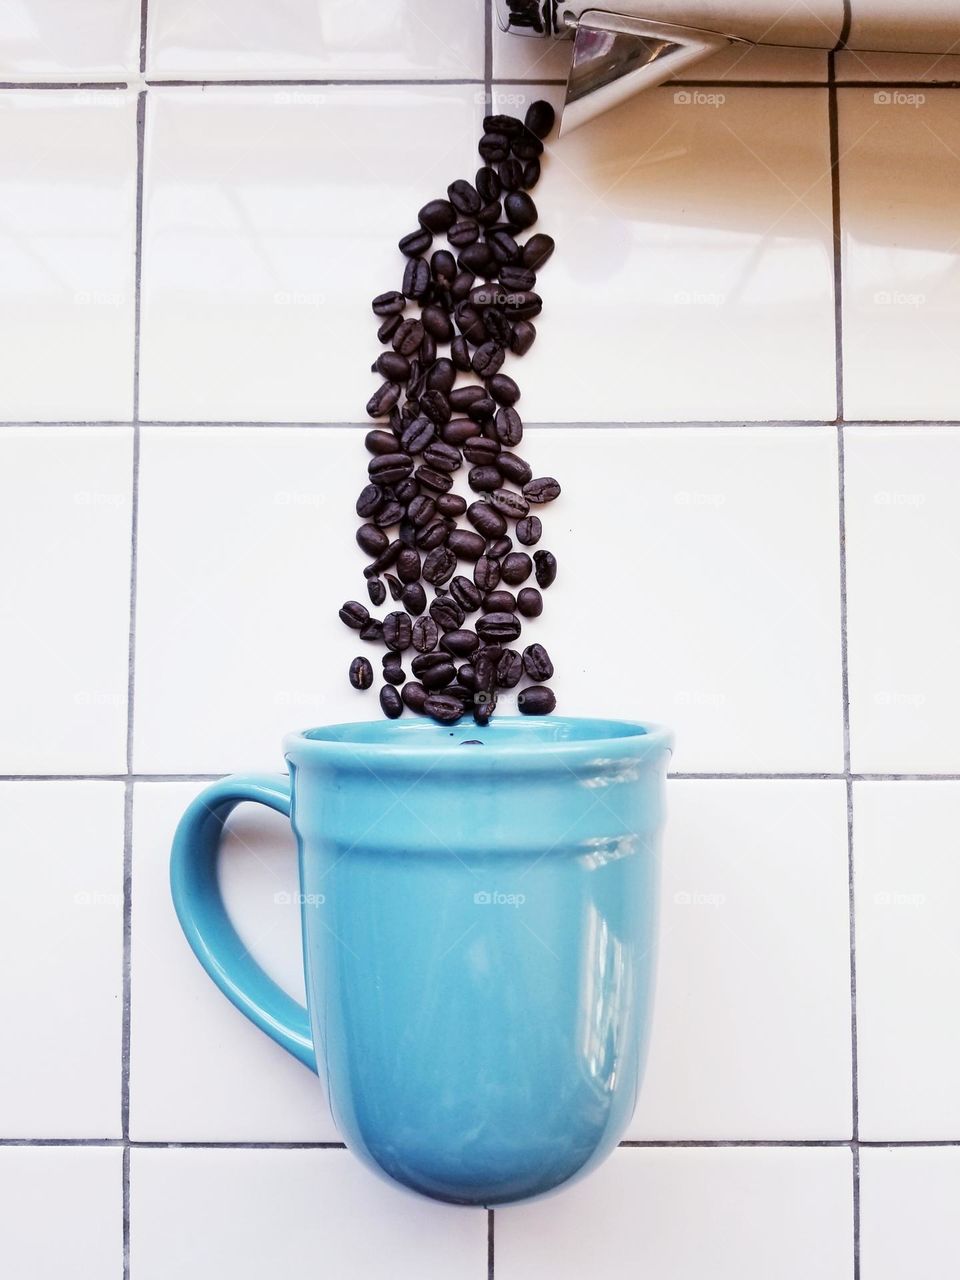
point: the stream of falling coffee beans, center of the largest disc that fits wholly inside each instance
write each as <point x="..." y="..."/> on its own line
<point x="478" y="297"/>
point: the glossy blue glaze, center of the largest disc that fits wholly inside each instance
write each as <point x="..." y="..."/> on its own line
<point x="479" y="925"/>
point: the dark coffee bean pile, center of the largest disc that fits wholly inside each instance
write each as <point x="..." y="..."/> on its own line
<point x="476" y="298"/>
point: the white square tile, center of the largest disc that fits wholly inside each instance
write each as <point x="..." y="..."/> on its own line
<point x="48" y="40"/>
<point x="339" y="39"/>
<point x="65" y="593"/>
<point x="61" y="916"/>
<point x="887" y="68"/>
<point x="726" y="1213"/>
<point x="900" y="184"/>
<point x="271" y="219"/>
<point x="908" y="960"/>
<point x="240" y="1215"/>
<point x="199" y="1071"/>
<point x="68" y="163"/>
<point x="61" y="1212"/>
<point x="884" y="24"/>
<point x="908" y="1212"/>
<point x="238" y="639"/>
<point x="715" y="554"/>
<point x="693" y="278"/>
<point x="903" y="530"/>
<point x="751" y="1029"/>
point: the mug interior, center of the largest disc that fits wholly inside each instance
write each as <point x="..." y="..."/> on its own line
<point x="522" y="732"/>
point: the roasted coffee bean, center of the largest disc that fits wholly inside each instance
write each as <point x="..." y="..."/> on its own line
<point x="439" y="566"/>
<point x="509" y="669"/>
<point x="372" y="630"/>
<point x="537" y="250"/>
<point x="463" y="282"/>
<point x="390" y="703"/>
<point x="530" y="602"/>
<point x="458" y="431"/>
<point x="518" y="277"/>
<point x="371" y="539"/>
<point x="354" y="614"/>
<point x="486" y="519"/>
<point x="462" y="397"/>
<point x="464" y="196"/>
<point x="486" y="573"/>
<point x="466" y="545"/>
<point x="408" y="337"/>
<point x="436" y="406"/>
<point x="443" y="265"/>
<point x="394" y="367"/>
<point x="484" y="479"/>
<point x="481" y="410"/>
<point x="437" y="323"/>
<point x="497" y="325"/>
<point x="414" y="696"/>
<point x="522" y="337"/>
<point x="490" y="214"/>
<point x="416" y="243"/>
<point x="505" y="124"/>
<point x="388" y="514"/>
<point x="408" y="565"/>
<point x="511" y="173"/>
<point x="509" y="426"/>
<point x="539" y="118"/>
<point x="487" y="359"/>
<point x="388" y="467"/>
<point x="467" y="677"/>
<point x="438" y="675"/>
<point x="480" y="450"/>
<point x="427" y="351"/>
<point x="479" y="259"/>
<point x="414" y="599"/>
<point x="503" y="389"/>
<point x="514" y="568"/>
<point x="502" y="547"/>
<point x="383" y="399"/>
<point x="531" y="172"/>
<point x="425" y="662"/>
<point x="487" y="295"/>
<point x="443" y="707"/>
<point x="397" y="630"/>
<point x="470" y="323"/>
<point x="522" y="304"/>
<point x="432" y="535"/>
<point x="520" y="209"/>
<point x="416" y="278"/>
<point x="465" y="593"/>
<point x="512" y="505"/>
<point x="460" y="643"/>
<point x="487" y="183"/>
<point x="425" y="634"/>
<point x="407" y="533"/>
<point x="379" y="441"/>
<point x="526" y="145"/>
<point x="485" y="663"/>
<point x="388" y="304"/>
<point x="462" y="234"/>
<point x="361" y="673"/>
<point x="395" y="585"/>
<point x="376" y="591"/>
<point x="393" y="673"/>
<point x="421" y="510"/>
<point x="437" y="215"/>
<point x="371" y="499"/>
<point x="546" y="567"/>
<point x="494" y="147"/>
<point x="441" y="376"/>
<point x="437" y="481"/>
<point x="389" y="327"/>
<point x="418" y="435"/>
<point x="498" y="627"/>
<point x="504" y="249"/>
<point x="498" y="602"/>
<point x="460" y="353"/>
<point x="443" y="457"/>
<point x="513" y="468"/>
<point x="543" y="489"/>
<point x="411" y="406"/>
<point x="446" y="613"/>
<point x="529" y="530"/>
<point x="451" y="504"/>
<point x="536" y="663"/>
<point x="536" y="700"/>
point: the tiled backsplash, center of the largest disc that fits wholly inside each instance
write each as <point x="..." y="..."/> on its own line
<point x="745" y="378"/>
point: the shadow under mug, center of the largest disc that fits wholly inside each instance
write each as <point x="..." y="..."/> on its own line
<point x="479" y="931"/>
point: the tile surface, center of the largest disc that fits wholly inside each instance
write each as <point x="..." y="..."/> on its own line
<point x="695" y="275"/>
<point x="67" y="230"/>
<point x="908" y="960"/>
<point x="900" y="181"/>
<point x="60" y="1212"/>
<point x="61" y="915"/>
<point x="47" y="40"/>
<point x="271" y="219"/>
<point x="65" y="598"/>
<point x="339" y="39"/>
<point x="903" y="530"/>
<point x="199" y="1071"/>
<point x="751" y="1030"/>
<point x="732" y="1214"/>
<point x="908" y="1207"/>
<point x="239" y="1215"/>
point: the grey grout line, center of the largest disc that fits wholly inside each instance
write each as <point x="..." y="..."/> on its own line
<point x="63" y="85"/>
<point x="491" y="1245"/>
<point x="845" y="29"/>
<point x="143" y="37"/>
<point x="311" y="82"/>
<point x="638" y="1144"/>
<point x="833" y="114"/>
<point x="696" y="424"/>
<point x="675" y="777"/>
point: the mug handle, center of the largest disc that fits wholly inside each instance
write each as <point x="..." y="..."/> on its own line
<point x="203" y="916"/>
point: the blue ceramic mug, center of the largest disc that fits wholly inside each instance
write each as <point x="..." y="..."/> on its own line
<point x="479" y="915"/>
